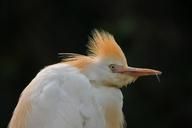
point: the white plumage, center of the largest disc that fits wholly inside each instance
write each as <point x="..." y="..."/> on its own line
<point x="82" y="92"/>
<point x="64" y="98"/>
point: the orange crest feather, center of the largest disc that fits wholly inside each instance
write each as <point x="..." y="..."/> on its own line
<point x="102" y="44"/>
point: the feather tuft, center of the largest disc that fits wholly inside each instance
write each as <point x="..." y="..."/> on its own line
<point x="102" y="44"/>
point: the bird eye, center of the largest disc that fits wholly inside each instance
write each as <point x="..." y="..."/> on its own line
<point x="112" y="66"/>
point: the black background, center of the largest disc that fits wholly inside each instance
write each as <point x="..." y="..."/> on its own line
<point x="153" y="34"/>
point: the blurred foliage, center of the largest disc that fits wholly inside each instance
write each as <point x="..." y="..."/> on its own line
<point x="153" y="34"/>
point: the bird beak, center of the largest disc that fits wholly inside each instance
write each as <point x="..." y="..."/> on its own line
<point x="138" y="72"/>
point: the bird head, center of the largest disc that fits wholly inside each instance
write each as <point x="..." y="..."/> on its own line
<point x="106" y="63"/>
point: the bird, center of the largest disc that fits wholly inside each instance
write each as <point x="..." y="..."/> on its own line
<point x="81" y="91"/>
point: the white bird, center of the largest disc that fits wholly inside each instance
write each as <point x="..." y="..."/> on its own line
<point x="81" y="91"/>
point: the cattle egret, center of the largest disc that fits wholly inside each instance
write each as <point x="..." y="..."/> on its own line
<point x="81" y="91"/>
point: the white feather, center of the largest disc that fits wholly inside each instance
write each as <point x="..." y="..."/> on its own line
<point x="64" y="98"/>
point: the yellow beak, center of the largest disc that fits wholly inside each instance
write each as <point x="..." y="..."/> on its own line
<point x="138" y="72"/>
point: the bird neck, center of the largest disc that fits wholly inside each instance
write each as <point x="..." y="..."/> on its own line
<point x="111" y="100"/>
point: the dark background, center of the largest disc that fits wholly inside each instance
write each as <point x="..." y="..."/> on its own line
<point x="153" y="34"/>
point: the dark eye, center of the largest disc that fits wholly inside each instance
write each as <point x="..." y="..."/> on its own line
<point x="112" y="66"/>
